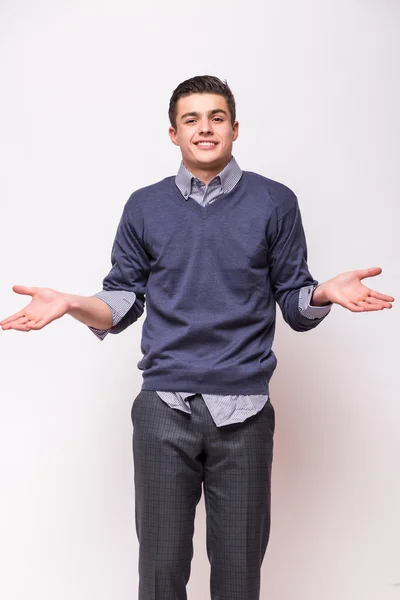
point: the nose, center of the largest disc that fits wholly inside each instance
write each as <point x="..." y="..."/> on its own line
<point x="205" y="126"/>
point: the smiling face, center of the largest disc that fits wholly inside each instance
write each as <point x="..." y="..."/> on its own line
<point x="205" y="134"/>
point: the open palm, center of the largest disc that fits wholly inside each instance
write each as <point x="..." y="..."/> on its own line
<point x="347" y="290"/>
<point x="46" y="306"/>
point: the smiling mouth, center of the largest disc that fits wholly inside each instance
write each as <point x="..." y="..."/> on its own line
<point x="206" y="145"/>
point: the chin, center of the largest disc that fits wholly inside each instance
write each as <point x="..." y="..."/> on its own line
<point x="208" y="158"/>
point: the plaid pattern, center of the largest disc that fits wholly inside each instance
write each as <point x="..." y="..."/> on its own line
<point x="176" y="455"/>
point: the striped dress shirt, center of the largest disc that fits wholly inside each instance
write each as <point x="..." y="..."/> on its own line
<point x="224" y="409"/>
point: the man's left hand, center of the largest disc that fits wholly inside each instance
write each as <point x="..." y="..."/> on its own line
<point x="347" y="290"/>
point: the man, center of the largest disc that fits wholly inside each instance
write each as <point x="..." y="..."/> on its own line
<point x="211" y="250"/>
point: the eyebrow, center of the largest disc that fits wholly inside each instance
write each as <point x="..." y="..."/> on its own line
<point x="210" y="113"/>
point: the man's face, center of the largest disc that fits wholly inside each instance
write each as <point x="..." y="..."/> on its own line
<point x="204" y="132"/>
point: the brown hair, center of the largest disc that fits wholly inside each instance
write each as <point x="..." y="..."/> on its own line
<point x="201" y="84"/>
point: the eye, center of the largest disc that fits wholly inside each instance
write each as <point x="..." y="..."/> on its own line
<point x="218" y="119"/>
<point x="189" y="121"/>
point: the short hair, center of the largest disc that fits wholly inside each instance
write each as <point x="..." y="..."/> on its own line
<point x="201" y="84"/>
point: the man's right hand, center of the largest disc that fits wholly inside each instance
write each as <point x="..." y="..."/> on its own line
<point x="46" y="306"/>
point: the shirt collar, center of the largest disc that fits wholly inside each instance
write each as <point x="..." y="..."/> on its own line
<point x="228" y="178"/>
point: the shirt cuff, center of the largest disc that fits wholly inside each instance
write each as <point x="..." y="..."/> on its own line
<point x="119" y="302"/>
<point x="308" y="311"/>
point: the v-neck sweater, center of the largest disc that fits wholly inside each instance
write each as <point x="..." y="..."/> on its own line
<point x="210" y="276"/>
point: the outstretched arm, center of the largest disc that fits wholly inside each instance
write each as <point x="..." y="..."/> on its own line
<point x="47" y="305"/>
<point x="119" y="304"/>
<point x="347" y="290"/>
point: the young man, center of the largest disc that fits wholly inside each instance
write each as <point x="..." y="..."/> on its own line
<point x="211" y="250"/>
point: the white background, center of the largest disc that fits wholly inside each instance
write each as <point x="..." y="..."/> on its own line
<point x="84" y="95"/>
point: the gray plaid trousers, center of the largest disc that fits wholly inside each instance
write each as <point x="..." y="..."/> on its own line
<point x="174" y="454"/>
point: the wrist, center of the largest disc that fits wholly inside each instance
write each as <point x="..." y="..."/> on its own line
<point x="319" y="297"/>
<point x="72" y="302"/>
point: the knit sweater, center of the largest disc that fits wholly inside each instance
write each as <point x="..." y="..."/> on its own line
<point x="210" y="276"/>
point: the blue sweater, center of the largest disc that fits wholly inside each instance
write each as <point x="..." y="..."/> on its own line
<point x="211" y="276"/>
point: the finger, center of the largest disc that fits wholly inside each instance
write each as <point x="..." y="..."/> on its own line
<point x="380" y="296"/>
<point x="36" y="324"/>
<point x="17" y="326"/>
<point x="370" y="307"/>
<point x="17" y="315"/>
<point x="20" y="321"/>
<point x="378" y="303"/>
<point x="23" y="289"/>
<point x="354" y="307"/>
<point x="372" y="272"/>
<point x="363" y="306"/>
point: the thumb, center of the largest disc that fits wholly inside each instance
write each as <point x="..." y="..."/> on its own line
<point x="22" y="289"/>
<point x="372" y="272"/>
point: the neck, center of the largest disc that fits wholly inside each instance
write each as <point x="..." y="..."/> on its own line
<point x="207" y="173"/>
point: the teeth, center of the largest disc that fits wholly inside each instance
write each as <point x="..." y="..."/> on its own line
<point x="206" y="144"/>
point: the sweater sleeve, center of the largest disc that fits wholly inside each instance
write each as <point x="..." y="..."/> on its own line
<point x="289" y="273"/>
<point x="124" y="287"/>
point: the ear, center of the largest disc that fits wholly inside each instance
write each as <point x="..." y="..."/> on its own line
<point x="173" y="134"/>
<point x="235" y="128"/>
